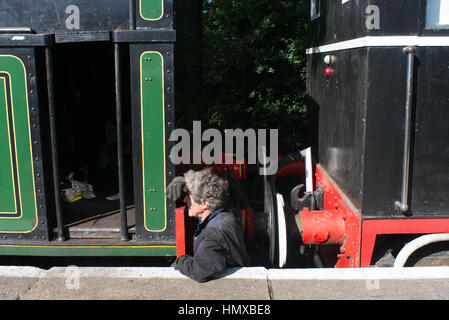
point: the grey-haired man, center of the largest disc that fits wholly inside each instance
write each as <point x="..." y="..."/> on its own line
<point x="218" y="240"/>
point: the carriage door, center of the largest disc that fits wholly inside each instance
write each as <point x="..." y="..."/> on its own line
<point x="152" y="83"/>
<point x="22" y="200"/>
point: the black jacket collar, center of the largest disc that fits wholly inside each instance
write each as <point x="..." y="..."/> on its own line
<point x="212" y="215"/>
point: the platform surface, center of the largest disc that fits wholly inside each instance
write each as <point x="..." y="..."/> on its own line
<point x="257" y="283"/>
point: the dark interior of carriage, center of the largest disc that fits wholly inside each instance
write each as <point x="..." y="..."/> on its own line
<point x="87" y="139"/>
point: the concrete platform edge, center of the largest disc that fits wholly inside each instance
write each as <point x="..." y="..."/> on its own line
<point x="254" y="283"/>
<point x="235" y="273"/>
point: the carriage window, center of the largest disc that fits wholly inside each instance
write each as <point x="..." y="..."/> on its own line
<point x="314" y="9"/>
<point x="437" y="14"/>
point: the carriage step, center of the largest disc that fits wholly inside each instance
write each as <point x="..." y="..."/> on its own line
<point x="97" y="233"/>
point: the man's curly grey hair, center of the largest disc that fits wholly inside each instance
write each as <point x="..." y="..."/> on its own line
<point x="205" y="185"/>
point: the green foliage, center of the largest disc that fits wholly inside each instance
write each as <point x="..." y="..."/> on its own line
<point x="254" y="66"/>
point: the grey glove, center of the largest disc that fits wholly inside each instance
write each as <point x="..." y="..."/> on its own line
<point x="175" y="188"/>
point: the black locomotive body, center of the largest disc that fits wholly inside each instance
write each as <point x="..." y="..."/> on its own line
<point x="377" y="79"/>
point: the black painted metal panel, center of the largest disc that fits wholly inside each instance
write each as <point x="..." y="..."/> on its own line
<point x="399" y="17"/>
<point x="386" y="92"/>
<point x="341" y="101"/>
<point x="87" y="20"/>
<point x="345" y="21"/>
<point x="49" y="16"/>
<point x="338" y="22"/>
<point x="430" y="184"/>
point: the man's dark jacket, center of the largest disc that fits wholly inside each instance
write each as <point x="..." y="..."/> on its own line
<point x="218" y="244"/>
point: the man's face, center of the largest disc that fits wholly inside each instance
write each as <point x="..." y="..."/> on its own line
<point x="196" y="210"/>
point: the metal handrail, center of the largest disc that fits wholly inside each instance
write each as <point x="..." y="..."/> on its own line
<point x="54" y="143"/>
<point x="121" y="173"/>
<point x="403" y="204"/>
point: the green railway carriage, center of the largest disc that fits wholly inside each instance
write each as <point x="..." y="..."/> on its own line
<point x="94" y="88"/>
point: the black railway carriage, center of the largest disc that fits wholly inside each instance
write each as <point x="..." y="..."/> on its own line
<point x="81" y="82"/>
<point x="378" y="81"/>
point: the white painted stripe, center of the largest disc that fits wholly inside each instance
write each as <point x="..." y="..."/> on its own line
<point x="148" y="272"/>
<point x="115" y="272"/>
<point x="21" y="272"/>
<point x="386" y="41"/>
<point x="255" y="273"/>
<point x="360" y="273"/>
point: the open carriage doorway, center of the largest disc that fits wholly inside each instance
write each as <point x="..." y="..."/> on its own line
<point x="87" y="140"/>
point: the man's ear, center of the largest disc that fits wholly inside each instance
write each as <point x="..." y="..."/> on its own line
<point x="205" y="205"/>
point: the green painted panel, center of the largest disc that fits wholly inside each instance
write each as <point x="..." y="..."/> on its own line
<point x="151" y="9"/>
<point x="7" y="187"/>
<point x="153" y="140"/>
<point x="13" y="73"/>
<point x="93" y="251"/>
